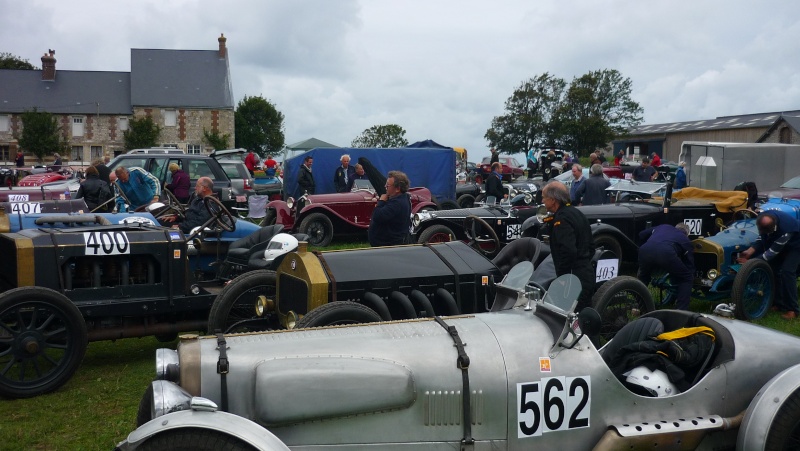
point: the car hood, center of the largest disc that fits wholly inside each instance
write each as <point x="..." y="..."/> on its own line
<point x="620" y="210"/>
<point x="39" y="179"/>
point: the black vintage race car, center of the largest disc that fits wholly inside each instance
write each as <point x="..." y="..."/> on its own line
<point x="473" y="192"/>
<point x="402" y="282"/>
<point x="616" y="226"/>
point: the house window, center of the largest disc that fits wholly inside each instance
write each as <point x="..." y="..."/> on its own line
<point x="4" y="123"/>
<point x="77" y="153"/>
<point x="193" y="149"/>
<point x="97" y="152"/>
<point x="77" y="126"/>
<point x="170" y="118"/>
<point x="5" y="154"/>
<point x="173" y="146"/>
<point x="123" y="124"/>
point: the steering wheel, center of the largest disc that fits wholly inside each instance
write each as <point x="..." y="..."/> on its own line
<point x="472" y="226"/>
<point x="745" y="213"/>
<point x="171" y="203"/>
<point x="220" y="213"/>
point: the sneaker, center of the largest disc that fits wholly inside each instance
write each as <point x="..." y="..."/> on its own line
<point x="789" y="315"/>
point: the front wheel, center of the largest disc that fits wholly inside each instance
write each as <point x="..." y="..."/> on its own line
<point x="436" y="234"/>
<point x="319" y="229"/>
<point x="43" y="339"/>
<point x="784" y="431"/>
<point x="753" y="289"/>
<point x="466" y="201"/>
<point x="193" y="439"/>
<point x="234" y="310"/>
<point x="620" y="301"/>
<point x="338" y="313"/>
<point x="608" y="243"/>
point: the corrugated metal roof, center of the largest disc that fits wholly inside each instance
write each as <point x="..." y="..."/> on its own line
<point x="72" y="92"/>
<point x="720" y="123"/>
<point x="180" y="78"/>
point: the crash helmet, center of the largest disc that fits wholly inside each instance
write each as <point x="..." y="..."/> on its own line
<point x="654" y="382"/>
<point x="280" y="244"/>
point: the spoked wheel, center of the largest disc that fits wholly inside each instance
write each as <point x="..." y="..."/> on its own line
<point x="43" y="339"/>
<point x="436" y="234"/>
<point x="195" y="439"/>
<point x="319" y="229"/>
<point x="481" y="236"/>
<point x="234" y="310"/>
<point x="223" y="216"/>
<point x="620" y="301"/>
<point x="784" y="431"/>
<point x="753" y="289"/>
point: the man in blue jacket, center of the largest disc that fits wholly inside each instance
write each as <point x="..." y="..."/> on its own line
<point x="778" y="243"/>
<point x="391" y="220"/>
<point x="139" y="187"/>
<point x="669" y="249"/>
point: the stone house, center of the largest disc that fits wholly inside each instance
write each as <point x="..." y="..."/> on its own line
<point x="184" y="91"/>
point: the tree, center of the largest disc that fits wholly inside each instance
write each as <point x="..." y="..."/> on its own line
<point x="529" y="116"/>
<point x="9" y="61"/>
<point x="216" y="140"/>
<point x="596" y="109"/>
<point x="390" y="135"/>
<point x="41" y="134"/>
<point x="141" y="133"/>
<point x="258" y="126"/>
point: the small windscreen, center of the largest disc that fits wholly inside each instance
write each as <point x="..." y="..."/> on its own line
<point x="563" y="292"/>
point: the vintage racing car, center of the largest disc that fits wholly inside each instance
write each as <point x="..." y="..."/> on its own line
<point x="524" y="376"/>
<point x="323" y="216"/>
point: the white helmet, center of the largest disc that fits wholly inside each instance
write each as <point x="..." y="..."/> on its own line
<point x="280" y="244"/>
<point x="654" y="382"/>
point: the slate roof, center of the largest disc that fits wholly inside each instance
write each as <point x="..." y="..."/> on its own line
<point x="720" y="123"/>
<point x="791" y="121"/>
<point x="72" y="92"/>
<point x="180" y="78"/>
<point x="308" y="144"/>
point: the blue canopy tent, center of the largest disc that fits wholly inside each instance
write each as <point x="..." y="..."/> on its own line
<point x="432" y="168"/>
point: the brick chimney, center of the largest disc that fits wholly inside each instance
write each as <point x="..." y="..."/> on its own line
<point x="223" y="52"/>
<point x="49" y="66"/>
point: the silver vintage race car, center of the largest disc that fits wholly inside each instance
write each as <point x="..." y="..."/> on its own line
<point x="525" y="375"/>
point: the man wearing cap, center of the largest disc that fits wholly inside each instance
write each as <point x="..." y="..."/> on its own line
<point x="778" y="243"/>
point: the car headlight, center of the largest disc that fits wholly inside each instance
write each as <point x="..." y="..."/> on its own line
<point x="164" y="358"/>
<point x="290" y="202"/>
<point x="415" y="220"/>
<point x="169" y="397"/>
<point x="713" y="274"/>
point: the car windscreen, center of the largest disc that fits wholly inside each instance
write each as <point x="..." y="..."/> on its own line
<point x="792" y="183"/>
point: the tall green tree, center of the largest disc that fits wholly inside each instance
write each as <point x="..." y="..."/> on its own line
<point x="596" y="109"/>
<point x="259" y="126"/>
<point x="141" y="133"/>
<point x="390" y="135"/>
<point x="9" y="61"/>
<point x="529" y="116"/>
<point x="41" y="134"/>
<point x="216" y="139"/>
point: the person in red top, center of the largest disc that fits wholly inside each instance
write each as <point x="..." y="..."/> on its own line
<point x="251" y="160"/>
<point x="270" y="163"/>
<point x="655" y="160"/>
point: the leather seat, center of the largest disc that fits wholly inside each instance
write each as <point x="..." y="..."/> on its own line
<point x="521" y="249"/>
<point x="241" y="250"/>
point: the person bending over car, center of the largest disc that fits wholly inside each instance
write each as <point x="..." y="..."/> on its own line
<point x="494" y="183"/>
<point x="196" y="212"/>
<point x="391" y="220"/>
<point x="570" y="239"/>
<point x="139" y="186"/>
<point x="669" y="249"/>
<point x="778" y="243"/>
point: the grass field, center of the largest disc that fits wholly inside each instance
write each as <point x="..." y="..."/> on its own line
<point x="97" y="408"/>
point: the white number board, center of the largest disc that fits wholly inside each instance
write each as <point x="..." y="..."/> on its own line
<point x="106" y="243"/>
<point x="695" y="226"/>
<point x="607" y="269"/>
<point x="17" y="197"/>
<point x="26" y="208"/>
<point x="513" y="231"/>
<point x="553" y="404"/>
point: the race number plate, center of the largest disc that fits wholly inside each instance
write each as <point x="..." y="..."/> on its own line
<point x="17" y="197"/>
<point x="607" y="269"/>
<point x="553" y="404"/>
<point x="513" y="231"/>
<point x="26" y="208"/>
<point x="695" y="226"/>
<point x="106" y="243"/>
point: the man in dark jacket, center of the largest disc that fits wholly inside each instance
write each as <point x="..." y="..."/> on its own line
<point x="103" y="172"/>
<point x="304" y="177"/>
<point x="196" y="212"/>
<point x="593" y="190"/>
<point x="343" y="174"/>
<point x="391" y="220"/>
<point x="669" y="249"/>
<point x="570" y="239"/>
<point x="494" y="183"/>
<point x="95" y="192"/>
<point x="778" y="243"/>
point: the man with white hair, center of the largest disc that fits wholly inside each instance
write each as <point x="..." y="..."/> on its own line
<point x="343" y="174"/>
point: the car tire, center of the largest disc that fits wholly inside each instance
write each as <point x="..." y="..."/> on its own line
<point x="448" y="204"/>
<point x="194" y="439"/>
<point x="480" y="198"/>
<point x="784" y="430"/>
<point x="608" y="243"/>
<point x="45" y="341"/>
<point x="270" y="218"/>
<point x="753" y="289"/>
<point x="337" y="314"/>
<point x="436" y="234"/>
<point x="620" y="301"/>
<point x="319" y="229"/>
<point x="234" y="308"/>
<point x="466" y="201"/>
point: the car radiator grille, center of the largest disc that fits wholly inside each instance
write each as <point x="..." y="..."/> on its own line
<point x="703" y="262"/>
<point x="293" y="294"/>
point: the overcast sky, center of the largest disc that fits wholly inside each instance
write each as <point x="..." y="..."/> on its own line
<point x="441" y="69"/>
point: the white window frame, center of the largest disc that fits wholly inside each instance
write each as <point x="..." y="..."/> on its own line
<point x="96" y="152"/>
<point x="122" y="124"/>
<point x="76" y="153"/>
<point x="77" y="126"/>
<point x="5" y="123"/>
<point x="170" y="118"/>
<point x="194" y="149"/>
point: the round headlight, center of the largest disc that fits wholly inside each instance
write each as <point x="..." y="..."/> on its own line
<point x="263" y="305"/>
<point x="415" y="220"/>
<point x="290" y="202"/>
<point x="712" y="274"/>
